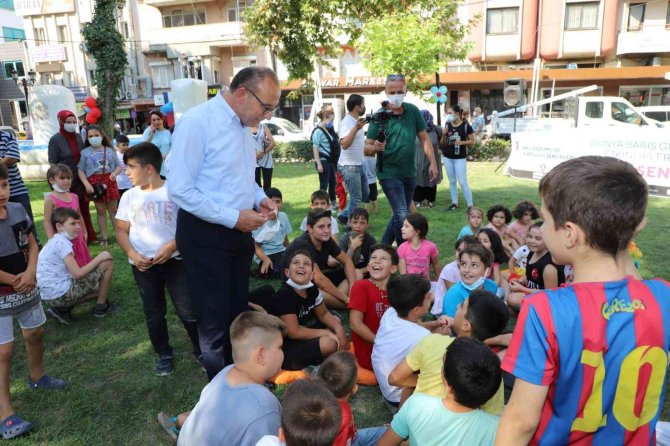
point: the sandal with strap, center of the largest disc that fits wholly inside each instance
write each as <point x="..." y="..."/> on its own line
<point x="13" y="426"/>
<point x="169" y="424"/>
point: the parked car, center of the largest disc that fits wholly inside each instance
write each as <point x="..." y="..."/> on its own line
<point x="660" y="113"/>
<point x="284" y="130"/>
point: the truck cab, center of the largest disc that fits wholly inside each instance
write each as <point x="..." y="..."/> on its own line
<point x="609" y="111"/>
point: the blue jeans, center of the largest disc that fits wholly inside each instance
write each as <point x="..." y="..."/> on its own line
<point x="356" y="180"/>
<point x="328" y="180"/>
<point x="457" y="170"/>
<point x="368" y="436"/>
<point x="399" y="192"/>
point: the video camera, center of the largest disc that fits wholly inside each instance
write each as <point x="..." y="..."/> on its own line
<point x="382" y="117"/>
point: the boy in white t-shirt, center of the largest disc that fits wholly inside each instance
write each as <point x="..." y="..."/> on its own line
<point x="62" y="282"/>
<point x="146" y="222"/>
<point x="410" y="298"/>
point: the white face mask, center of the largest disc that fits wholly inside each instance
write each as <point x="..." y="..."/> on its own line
<point x="479" y="282"/>
<point x="268" y="231"/>
<point x="67" y="236"/>
<point x="57" y="188"/>
<point x="295" y="286"/>
<point x="70" y="127"/>
<point x="449" y="118"/>
<point x="95" y="141"/>
<point x="395" y="100"/>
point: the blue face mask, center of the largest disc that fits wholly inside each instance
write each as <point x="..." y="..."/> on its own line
<point x="330" y="125"/>
<point x="479" y="282"/>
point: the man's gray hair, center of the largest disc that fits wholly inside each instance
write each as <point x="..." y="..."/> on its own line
<point x="252" y="76"/>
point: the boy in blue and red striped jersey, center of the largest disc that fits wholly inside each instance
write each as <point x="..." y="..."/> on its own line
<point x="590" y="359"/>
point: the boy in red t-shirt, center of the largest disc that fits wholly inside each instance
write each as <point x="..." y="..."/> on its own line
<point x="340" y="373"/>
<point x="368" y="302"/>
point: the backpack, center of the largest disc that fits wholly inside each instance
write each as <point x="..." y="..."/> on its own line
<point x="334" y="141"/>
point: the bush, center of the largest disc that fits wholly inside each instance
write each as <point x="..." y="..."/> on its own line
<point x="293" y="151"/>
<point x="494" y="148"/>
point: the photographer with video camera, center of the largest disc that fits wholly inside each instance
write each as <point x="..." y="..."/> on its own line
<point x="350" y="164"/>
<point x="391" y="136"/>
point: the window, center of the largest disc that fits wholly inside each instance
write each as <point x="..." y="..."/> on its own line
<point x="232" y="12"/>
<point x="594" y="110"/>
<point x="180" y="17"/>
<point x="502" y="21"/>
<point x="241" y="62"/>
<point x="62" y="34"/>
<point x="162" y="75"/>
<point x="623" y="113"/>
<point x="40" y="36"/>
<point x="635" y="16"/>
<point x="581" y="15"/>
<point x="7" y="4"/>
<point x="8" y="67"/>
<point x="124" y="27"/>
<point x="12" y="34"/>
<point x="216" y="77"/>
<point x="91" y="75"/>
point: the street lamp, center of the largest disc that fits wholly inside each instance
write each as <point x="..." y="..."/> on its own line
<point x="32" y="76"/>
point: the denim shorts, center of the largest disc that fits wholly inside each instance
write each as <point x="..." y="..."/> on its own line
<point x="29" y="318"/>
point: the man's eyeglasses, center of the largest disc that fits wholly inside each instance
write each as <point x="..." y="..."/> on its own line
<point x="395" y="77"/>
<point x="267" y="109"/>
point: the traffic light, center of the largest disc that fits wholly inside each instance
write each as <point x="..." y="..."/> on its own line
<point x="514" y="92"/>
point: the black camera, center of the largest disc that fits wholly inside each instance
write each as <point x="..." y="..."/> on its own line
<point x="381" y="117"/>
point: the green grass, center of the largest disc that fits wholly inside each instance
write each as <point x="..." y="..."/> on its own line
<point x="113" y="396"/>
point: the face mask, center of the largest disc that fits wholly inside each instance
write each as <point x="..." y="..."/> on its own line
<point x="362" y="112"/>
<point x="449" y="118"/>
<point x="70" y="127"/>
<point x="67" y="236"/>
<point x="395" y="100"/>
<point x="268" y="231"/>
<point x="95" y="141"/>
<point x="329" y="124"/>
<point x="479" y="282"/>
<point x="475" y="114"/>
<point x="295" y="286"/>
<point x="57" y="188"/>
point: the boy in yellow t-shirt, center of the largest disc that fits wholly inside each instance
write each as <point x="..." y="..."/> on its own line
<point x="483" y="315"/>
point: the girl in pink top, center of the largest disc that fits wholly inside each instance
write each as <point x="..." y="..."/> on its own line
<point x="524" y="212"/>
<point x="417" y="254"/>
<point x="499" y="217"/>
<point x="59" y="177"/>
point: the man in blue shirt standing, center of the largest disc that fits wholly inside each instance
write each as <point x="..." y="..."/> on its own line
<point x="211" y="179"/>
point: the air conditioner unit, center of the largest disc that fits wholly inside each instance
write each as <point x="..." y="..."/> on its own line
<point x="656" y="61"/>
<point x="131" y="95"/>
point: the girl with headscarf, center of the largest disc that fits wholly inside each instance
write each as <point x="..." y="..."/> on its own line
<point x="65" y="148"/>
<point x="426" y="190"/>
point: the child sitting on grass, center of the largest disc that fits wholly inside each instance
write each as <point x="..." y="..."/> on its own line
<point x="483" y="316"/>
<point x="499" y="218"/>
<point x="369" y="301"/>
<point x="59" y="177"/>
<point x="524" y="213"/>
<point x="541" y="271"/>
<point x="339" y="373"/>
<point x="471" y="374"/>
<point x="451" y="273"/>
<point x="417" y="254"/>
<point x="236" y="408"/>
<point x="20" y="300"/>
<point x="64" y="284"/>
<point x="475" y="217"/>
<point x="270" y="249"/>
<point x="399" y="330"/>
<point x="475" y="261"/>
<point x="491" y="240"/>
<point x="357" y="242"/>
<point x="313" y="333"/>
<point x="321" y="200"/>
<point x="310" y="416"/>
<point x="590" y="359"/>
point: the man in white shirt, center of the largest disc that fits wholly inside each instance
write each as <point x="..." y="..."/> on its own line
<point x="350" y="164"/>
<point x="211" y="177"/>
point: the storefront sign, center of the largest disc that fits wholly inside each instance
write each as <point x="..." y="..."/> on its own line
<point x="48" y="53"/>
<point x="360" y="81"/>
<point x="42" y="7"/>
<point x="647" y="149"/>
<point x="213" y="90"/>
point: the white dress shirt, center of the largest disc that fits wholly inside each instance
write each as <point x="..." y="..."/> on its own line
<point x="213" y="160"/>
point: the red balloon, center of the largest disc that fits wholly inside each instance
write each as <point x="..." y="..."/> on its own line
<point x="90" y="118"/>
<point x="96" y="113"/>
<point x="90" y="102"/>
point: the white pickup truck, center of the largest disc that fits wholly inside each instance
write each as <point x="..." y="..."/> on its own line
<point x="590" y="111"/>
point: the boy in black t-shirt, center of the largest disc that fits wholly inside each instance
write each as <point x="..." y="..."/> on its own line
<point x="313" y="332"/>
<point x="20" y="300"/>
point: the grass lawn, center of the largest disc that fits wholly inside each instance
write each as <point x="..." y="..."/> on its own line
<point x="113" y="396"/>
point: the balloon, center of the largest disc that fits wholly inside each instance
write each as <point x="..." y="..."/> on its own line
<point x="96" y="113"/>
<point x="86" y="109"/>
<point x="90" y="102"/>
<point x="90" y="119"/>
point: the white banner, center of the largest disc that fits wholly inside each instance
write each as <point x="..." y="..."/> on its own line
<point x="647" y="149"/>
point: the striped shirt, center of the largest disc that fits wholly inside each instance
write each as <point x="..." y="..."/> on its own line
<point x="602" y="349"/>
<point x="10" y="149"/>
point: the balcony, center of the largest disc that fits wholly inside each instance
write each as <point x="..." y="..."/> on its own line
<point x="581" y="43"/>
<point x="225" y="34"/>
<point x="651" y="38"/>
<point x="501" y="47"/>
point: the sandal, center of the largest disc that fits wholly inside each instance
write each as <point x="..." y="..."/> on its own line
<point x="13" y="426"/>
<point x="104" y="243"/>
<point x="168" y="424"/>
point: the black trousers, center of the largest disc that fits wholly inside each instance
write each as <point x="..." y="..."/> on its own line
<point x="217" y="261"/>
<point x="428" y="193"/>
<point x="266" y="173"/>
<point x="152" y="284"/>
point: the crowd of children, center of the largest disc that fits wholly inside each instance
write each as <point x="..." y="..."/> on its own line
<point x="433" y="348"/>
